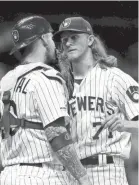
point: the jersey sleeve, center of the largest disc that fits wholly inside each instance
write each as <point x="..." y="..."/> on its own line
<point x="125" y="92"/>
<point x="51" y="99"/>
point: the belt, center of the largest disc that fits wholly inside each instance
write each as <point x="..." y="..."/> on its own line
<point x="94" y="160"/>
<point x="36" y="165"/>
<point x="31" y="164"/>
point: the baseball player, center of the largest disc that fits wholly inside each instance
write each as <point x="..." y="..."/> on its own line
<point x="100" y="90"/>
<point x="35" y="144"/>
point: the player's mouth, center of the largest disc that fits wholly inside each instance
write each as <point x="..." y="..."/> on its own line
<point x="71" y="50"/>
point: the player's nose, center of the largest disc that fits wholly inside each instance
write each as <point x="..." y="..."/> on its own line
<point x="69" y="41"/>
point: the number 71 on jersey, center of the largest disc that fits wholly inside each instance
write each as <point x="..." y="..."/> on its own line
<point x="96" y="136"/>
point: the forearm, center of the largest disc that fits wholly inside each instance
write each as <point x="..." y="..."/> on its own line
<point x="113" y="123"/>
<point x="131" y="126"/>
<point x="63" y="147"/>
<point x="68" y="156"/>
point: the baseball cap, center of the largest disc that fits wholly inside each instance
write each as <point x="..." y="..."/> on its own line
<point x="77" y="24"/>
<point x="27" y="30"/>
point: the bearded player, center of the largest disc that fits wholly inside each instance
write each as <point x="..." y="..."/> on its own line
<point x="34" y="134"/>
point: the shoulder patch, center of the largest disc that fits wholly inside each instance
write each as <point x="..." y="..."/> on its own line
<point x="133" y="93"/>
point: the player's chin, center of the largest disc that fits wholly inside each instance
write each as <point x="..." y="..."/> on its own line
<point x="72" y="56"/>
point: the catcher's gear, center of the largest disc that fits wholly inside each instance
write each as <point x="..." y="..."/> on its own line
<point x="28" y="30"/>
<point x="5" y="119"/>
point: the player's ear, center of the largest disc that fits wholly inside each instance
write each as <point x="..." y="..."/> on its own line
<point x="44" y="40"/>
<point x="90" y="40"/>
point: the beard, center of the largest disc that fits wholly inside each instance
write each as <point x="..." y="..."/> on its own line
<point x="53" y="61"/>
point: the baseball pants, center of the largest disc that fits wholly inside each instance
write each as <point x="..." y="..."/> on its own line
<point x="31" y="175"/>
<point x="105" y="174"/>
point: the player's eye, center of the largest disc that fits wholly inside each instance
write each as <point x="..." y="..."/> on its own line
<point x="64" y="40"/>
<point x="71" y="38"/>
<point x="74" y="37"/>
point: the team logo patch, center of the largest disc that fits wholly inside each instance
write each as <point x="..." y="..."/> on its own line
<point x="30" y="26"/>
<point x="15" y="34"/>
<point x="88" y="29"/>
<point x="133" y="93"/>
<point x="66" y="23"/>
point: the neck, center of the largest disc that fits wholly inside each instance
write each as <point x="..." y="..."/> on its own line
<point x="36" y="55"/>
<point x="81" y="67"/>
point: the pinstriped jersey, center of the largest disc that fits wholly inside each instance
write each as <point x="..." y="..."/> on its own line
<point x="38" y="96"/>
<point x="102" y="92"/>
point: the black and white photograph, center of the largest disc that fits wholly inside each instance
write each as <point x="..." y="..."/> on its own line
<point x="69" y="93"/>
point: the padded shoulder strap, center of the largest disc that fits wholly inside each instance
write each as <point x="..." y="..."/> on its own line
<point x="52" y="74"/>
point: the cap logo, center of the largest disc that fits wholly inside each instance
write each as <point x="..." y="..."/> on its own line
<point x="66" y="23"/>
<point x="15" y="35"/>
<point x="88" y="29"/>
<point x="30" y="26"/>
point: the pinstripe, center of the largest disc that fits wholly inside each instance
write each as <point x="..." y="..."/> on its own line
<point x="43" y="152"/>
<point x="102" y="72"/>
<point x="114" y="132"/>
<point x="50" y="95"/>
<point x="95" y="85"/>
<point x="31" y="149"/>
<point x="14" y="96"/>
<point x="95" y="112"/>
<point x="25" y="182"/>
<point x="90" y="147"/>
<point x="60" y="179"/>
<point x="109" y="174"/>
<point x="120" y="174"/>
<point x="91" y="112"/>
<point x="107" y="100"/>
<point x="42" y="103"/>
<point x="43" y="95"/>
<point x="55" y="91"/>
<point x="5" y="177"/>
<point x="49" y="176"/>
<point x="52" y="84"/>
<point x="86" y="125"/>
<point x="112" y="82"/>
<point x="125" y="101"/>
<point x="102" y="84"/>
<point x="30" y="145"/>
<point x="35" y="148"/>
<point x="51" y="104"/>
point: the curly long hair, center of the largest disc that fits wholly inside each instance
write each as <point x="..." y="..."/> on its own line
<point x="100" y="54"/>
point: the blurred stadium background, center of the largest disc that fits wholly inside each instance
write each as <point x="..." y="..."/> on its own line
<point x="116" y="22"/>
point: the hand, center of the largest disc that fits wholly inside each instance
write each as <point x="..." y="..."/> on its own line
<point x="113" y="123"/>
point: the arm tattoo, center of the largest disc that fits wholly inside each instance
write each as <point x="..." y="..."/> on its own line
<point x="52" y="132"/>
<point x="68" y="156"/>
